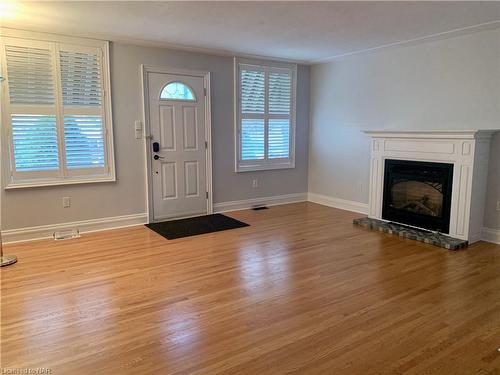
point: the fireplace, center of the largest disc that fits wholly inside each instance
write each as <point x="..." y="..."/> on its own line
<point x="457" y="163"/>
<point x="418" y="193"/>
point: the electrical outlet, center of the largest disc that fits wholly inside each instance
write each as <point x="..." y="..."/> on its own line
<point x="498" y="205"/>
<point x="255" y="183"/>
<point x="66" y="202"/>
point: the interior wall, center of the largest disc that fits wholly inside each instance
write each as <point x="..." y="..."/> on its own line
<point x="445" y="84"/>
<point x="492" y="215"/>
<point x="42" y="206"/>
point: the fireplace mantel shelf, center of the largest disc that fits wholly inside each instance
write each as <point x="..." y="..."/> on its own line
<point x="431" y="134"/>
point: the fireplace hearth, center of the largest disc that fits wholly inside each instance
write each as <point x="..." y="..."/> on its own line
<point x="403" y="231"/>
<point x="418" y="193"/>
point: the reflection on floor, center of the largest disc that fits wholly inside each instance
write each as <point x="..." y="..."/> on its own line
<point x="302" y="290"/>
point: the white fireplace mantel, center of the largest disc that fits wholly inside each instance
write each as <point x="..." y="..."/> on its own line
<point x="467" y="150"/>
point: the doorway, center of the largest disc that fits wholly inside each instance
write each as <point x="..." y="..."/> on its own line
<point x="178" y="143"/>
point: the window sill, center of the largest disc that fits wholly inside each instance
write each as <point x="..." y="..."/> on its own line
<point x="264" y="167"/>
<point x="68" y="181"/>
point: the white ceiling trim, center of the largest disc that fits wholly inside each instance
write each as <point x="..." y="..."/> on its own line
<point x="402" y="43"/>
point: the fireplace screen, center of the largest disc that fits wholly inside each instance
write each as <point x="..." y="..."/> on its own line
<point x="418" y="197"/>
<point x="418" y="193"/>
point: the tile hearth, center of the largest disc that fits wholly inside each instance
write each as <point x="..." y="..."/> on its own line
<point x="436" y="239"/>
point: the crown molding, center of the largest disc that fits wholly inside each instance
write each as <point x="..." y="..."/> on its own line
<point x="404" y="43"/>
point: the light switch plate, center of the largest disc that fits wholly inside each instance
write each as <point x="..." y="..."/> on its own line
<point x="138" y="129"/>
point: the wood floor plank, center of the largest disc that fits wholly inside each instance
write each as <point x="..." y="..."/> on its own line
<point x="299" y="291"/>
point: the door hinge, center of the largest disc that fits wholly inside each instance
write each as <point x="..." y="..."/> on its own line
<point x="206" y="144"/>
<point x="206" y="194"/>
<point x="205" y="91"/>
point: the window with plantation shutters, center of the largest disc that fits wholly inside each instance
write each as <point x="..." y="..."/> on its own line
<point x="57" y="112"/>
<point x="265" y="121"/>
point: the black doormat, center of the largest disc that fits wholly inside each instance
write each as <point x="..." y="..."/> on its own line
<point x="193" y="226"/>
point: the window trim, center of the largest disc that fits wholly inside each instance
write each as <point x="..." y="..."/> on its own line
<point x="64" y="175"/>
<point x="264" y="164"/>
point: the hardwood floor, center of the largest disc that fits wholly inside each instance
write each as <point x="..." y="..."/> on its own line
<point x="300" y="291"/>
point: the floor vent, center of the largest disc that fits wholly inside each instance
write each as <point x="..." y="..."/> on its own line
<point x="66" y="234"/>
<point x="257" y="208"/>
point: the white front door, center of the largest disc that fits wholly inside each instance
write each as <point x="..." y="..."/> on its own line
<point x="178" y="145"/>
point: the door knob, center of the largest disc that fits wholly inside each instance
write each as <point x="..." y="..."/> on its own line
<point x="156" y="157"/>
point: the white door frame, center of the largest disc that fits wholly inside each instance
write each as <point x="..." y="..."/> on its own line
<point x="145" y="70"/>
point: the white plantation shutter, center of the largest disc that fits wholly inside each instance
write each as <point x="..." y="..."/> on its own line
<point x="280" y="92"/>
<point x="265" y="116"/>
<point x="252" y="139"/>
<point x="279" y="138"/>
<point x="81" y="78"/>
<point x="253" y="102"/>
<point x="35" y="142"/>
<point x="30" y="70"/>
<point x="280" y="104"/>
<point x="82" y="106"/>
<point x="84" y="141"/>
<point x="59" y="116"/>
<point x="253" y="91"/>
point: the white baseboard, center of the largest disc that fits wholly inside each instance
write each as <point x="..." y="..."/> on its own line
<point x="342" y="204"/>
<point x="265" y="201"/>
<point x="95" y="225"/>
<point x="491" y="235"/>
<point x="84" y="226"/>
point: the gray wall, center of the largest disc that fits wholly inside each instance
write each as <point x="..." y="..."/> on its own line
<point x="447" y="84"/>
<point x="42" y="206"/>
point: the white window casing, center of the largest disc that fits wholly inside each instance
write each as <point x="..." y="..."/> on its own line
<point x="56" y="108"/>
<point x="265" y="106"/>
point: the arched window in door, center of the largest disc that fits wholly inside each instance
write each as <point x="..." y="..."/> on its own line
<point x="177" y="91"/>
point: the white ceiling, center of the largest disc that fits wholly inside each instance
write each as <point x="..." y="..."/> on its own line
<point x="301" y="31"/>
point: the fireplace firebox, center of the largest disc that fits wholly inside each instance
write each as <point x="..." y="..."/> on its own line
<point x="418" y="193"/>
